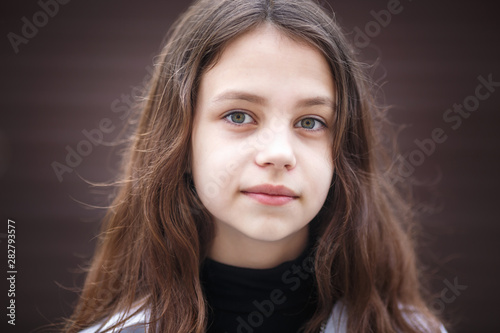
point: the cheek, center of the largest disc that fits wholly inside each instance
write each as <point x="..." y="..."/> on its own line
<point x="320" y="172"/>
<point x="216" y="168"/>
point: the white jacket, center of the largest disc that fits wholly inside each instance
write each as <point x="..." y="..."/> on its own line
<point x="337" y="322"/>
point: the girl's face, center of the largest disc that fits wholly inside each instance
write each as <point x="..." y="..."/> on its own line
<point x="261" y="148"/>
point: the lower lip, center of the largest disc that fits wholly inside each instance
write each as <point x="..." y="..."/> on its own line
<point x="271" y="200"/>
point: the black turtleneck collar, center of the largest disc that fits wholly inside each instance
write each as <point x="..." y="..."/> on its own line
<point x="245" y="300"/>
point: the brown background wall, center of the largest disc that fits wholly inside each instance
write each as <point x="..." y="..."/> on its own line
<point x="67" y="77"/>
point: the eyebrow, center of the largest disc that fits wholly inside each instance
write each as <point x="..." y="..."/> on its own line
<point x="255" y="99"/>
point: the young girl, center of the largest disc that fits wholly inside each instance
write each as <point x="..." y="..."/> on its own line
<point x="256" y="195"/>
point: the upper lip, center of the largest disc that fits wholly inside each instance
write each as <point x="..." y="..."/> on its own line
<point x="272" y="190"/>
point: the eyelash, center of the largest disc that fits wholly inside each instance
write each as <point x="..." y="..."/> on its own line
<point x="227" y="118"/>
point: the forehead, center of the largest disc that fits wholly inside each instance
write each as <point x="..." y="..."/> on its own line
<point x="265" y="60"/>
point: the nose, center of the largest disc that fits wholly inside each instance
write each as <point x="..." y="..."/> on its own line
<point x="277" y="150"/>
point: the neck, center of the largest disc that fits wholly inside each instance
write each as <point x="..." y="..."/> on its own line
<point x="232" y="248"/>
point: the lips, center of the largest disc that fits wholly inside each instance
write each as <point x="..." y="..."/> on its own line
<point x="273" y="195"/>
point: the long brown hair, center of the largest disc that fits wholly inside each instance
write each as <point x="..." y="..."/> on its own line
<point x="157" y="233"/>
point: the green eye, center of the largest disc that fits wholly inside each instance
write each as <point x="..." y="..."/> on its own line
<point x="307" y="123"/>
<point x="311" y="124"/>
<point x="239" y="118"/>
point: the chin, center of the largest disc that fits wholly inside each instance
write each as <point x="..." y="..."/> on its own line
<point x="269" y="233"/>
